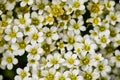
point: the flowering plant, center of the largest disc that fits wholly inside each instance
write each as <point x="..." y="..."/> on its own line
<point x="59" y="40"/>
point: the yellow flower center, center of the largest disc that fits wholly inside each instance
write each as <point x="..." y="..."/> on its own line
<point x="71" y="61"/>
<point x="61" y="78"/>
<point x="35" y="21"/>
<point x="22" y="45"/>
<point x="4" y="24"/>
<point x="94" y="33"/>
<point x="102" y="28"/>
<point x="57" y="10"/>
<point x="32" y="61"/>
<point x="9" y="59"/>
<point x="78" y="13"/>
<point x="73" y="77"/>
<point x="95" y="8"/>
<point x="50" y="19"/>
<point x="61" y="45"/>
<point x="54" y="61"/>
<point x="34" y="52"/>
<point x="108" y="5"/>
<point x="23" y="74"/>
<point x="101" y="67"/>
<point x="22" y="21"/>
<point x="71" y="40"/>
<point x="103" y="39"/>
<point x="113" y="17"/>
<point x="88" y="76"/>
<point x="113" y="33"/>
<point x="27" y="29"/>
<point x="85" y="61"/>
<point x="13" y="34"/>
<point x="35" y="36"/>
<point x="2" y="7"/>
<point x="118" y="58"/>
<point x="96" y="21"/>
<point x="76" y="4"/>
<point x="76" y="26"/>
<point x="46" y="47"/>
<point x="50" y="76"/>
<point x="49" y="34"/>
<point x="39" y="74"/>
<point x="41" y="6"/>
<point x="86" y="47"/>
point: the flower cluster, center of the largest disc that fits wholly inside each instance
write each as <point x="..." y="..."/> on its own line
<point x="61" y="39"/>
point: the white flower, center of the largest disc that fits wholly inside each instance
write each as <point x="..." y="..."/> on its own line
<point x="34" y="51"/>
<point x="49" y="74"/>
<point x="78" y="4"/>
<point x="97" y="58"/>
<point x="103" y="68"/>
<point x="88" y="46"/>
<point x="8" y="60"/>
<point x="36" y="20"/>
<point x="68" y="9"/>
<point x="61" y="75"/>
<point x="90" y="75"/>
<point x="86" y="61"/>
<point x="103" y="41"/>
<point x="102" y="30"/>
<point x="5" y="23"/>
<point x="71" y="39"/>
<point x="61" y="46"/>
<point x="23" y="20"/>
<point x="71" y="60"/>
<point x="113" y="17"/>
<point x="36" y="36"/>
<point x="28" y="29"/>
<point x="94" y="34"/>
<point x="41" y="6"/>
<point x="49" y="19"/>
<point x="109" y="5"/>
<point x="76" y="26"/>
<point x="114" y="33"/>
<point x="25" y="2"/>
<point x="20" y="46"/>
<point x="23" y="74"/>
<point x="95" y="8"/>
<point x="50" y="34"/>
<point x="78" y="48"/>
<point x="95" y="21"/>
<point x="117" y="42"/>
<point x="43" y="62"/>
<point x="54" y="60"/>
<point x="116" y="59"/>
<point x="12" y="34"/>
<point x="75" y="75"/>
<point x="32" y="62"/>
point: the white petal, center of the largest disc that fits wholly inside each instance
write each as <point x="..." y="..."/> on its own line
<point x="19" y="34"/>
<point x="15" y="61"/>
<point x="55" y="37"/>
<point x="7" y="38"/>
<point x="49" y="40"/>
<point x="19" y="70"/>
<point x="14" y="47"/>
<point x="22" y="4"/>
<point x="13" y="40"/>
<point x="9" y="66"/>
